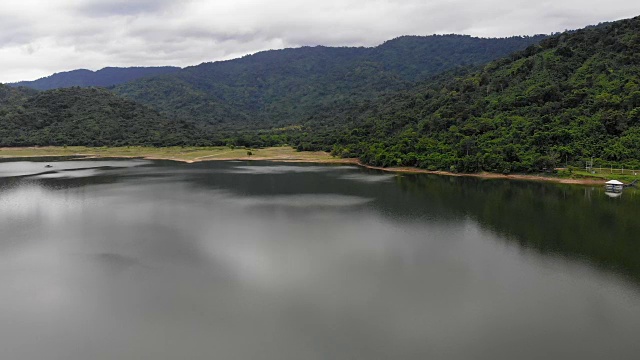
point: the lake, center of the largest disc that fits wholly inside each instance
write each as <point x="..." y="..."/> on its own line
<point x="134" y="259"/>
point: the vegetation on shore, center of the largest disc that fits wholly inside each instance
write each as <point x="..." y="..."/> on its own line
<point x="627" y="176"/>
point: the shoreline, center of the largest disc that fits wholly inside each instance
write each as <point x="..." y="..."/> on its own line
<point x="327" y="160"/>
<point x="488" y="175"/>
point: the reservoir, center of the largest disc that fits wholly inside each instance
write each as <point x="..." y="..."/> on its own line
<point x="138" y="259"/>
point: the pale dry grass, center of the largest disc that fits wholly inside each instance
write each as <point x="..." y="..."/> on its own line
<point x="187" y="154"/>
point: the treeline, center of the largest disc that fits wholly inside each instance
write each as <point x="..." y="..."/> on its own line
<point x="572" y="97"/>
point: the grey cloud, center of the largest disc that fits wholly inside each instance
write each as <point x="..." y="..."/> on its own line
<point x="166" y="34"/>
<point x="14" y="32"/>
<point x="98" y="8"/>
<point x="38" y="38"/>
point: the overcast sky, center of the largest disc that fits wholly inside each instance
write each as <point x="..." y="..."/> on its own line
<point x="40" y="37"/>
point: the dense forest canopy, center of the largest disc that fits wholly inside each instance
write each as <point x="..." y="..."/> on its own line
<point x="14" y="96"/>
<point x="572" y="97"/>
<point x="282" y="87"/>
<point x="93" y="117"/>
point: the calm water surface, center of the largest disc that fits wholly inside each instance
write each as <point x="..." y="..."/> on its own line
<point x="132" y="259"/>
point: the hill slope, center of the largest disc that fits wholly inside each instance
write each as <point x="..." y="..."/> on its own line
<point x="92" y="117"/>
<point x="281" y="87"/>
<point x="573" y="96"/>
<point x="86" y="78"/>
<point x="14" y="96"/>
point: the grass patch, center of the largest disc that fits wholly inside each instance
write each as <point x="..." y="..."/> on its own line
<point x="627" y="176"/>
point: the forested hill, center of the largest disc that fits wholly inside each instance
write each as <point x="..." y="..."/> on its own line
<point x="573" y="96"/>
<point x="14" y="96"/>
<point x="275" y="88"/>
<point x="86" y="78"/>
<point x="417" y="58"/>
<point x="93" y="117"/>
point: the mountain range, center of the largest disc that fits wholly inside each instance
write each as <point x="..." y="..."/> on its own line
<point x="447" y="102"/>
<point x="281" y="87"/>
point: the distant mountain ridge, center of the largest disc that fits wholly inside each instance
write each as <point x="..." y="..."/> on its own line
<point x="279" y="87"/>
<point x="236" y="100"/>
<point x="108" y="76"/>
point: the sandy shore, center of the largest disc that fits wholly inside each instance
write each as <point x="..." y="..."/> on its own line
<point x="411" y="170"/>
<point x="328" y="160"/>
<point x="246" y="158"/>
<point x="487" y="175"/>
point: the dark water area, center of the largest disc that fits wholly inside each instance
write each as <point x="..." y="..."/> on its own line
<point x="133" y="259"/>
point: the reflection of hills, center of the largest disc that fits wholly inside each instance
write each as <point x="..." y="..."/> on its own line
<point x="572" y="221"/>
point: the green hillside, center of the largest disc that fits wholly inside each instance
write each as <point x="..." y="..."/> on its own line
<point x="573" y="96"/>
<point x="277" y="88"/>
<point x="93" y="117"/>
<point x="14" y="96"/>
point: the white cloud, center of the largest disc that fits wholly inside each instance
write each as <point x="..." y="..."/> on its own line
<point x="39" y="37"/>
